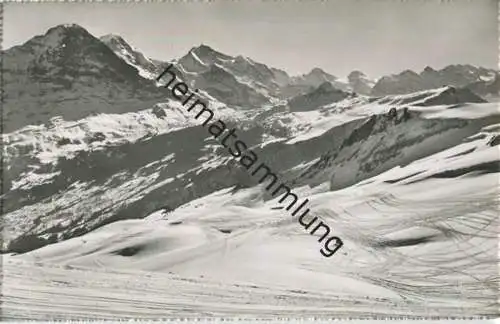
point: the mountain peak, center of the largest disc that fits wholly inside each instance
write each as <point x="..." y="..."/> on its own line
<point x="314" y="78"/>
<point x="317" y="70"/>
<point x="320" y="73"/>
<point x="408" y="73"/>
<point x="429" y="69"/>
<point x="58" y="36"/>
<point x="203" y="48"/>
<point x="199" y="58"/>
<point x="356" y="74"/>
<point x="205" y="51"/>
<point x="66" y="29"/>
<point x="68" y="26"/>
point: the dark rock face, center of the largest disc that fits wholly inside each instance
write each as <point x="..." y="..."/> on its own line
<point x="67" y="72"/>
<point x="305" y="83"/>
<point x="261" y="75"/>
<point x="494" y="141"/>
<point x="406" y="82"/>
<point x="123" y="50"/>
<point x="323" y="95"/>
<point x="226" y="88"/>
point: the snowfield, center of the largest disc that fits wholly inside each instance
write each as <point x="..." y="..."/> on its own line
<point x="65" y="138"/>
<point x="419" y="240"/>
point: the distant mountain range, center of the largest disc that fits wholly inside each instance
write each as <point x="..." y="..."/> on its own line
<point x="273" y="82"/>
<point x="70" y="73"/>
<point x="480" y="80"/>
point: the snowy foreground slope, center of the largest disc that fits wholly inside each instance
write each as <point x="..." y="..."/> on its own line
<point x="420" y="239"/>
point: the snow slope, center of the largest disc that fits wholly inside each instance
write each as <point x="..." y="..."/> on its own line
<point x="420" y="239"/>
<point x="145" y="66"/>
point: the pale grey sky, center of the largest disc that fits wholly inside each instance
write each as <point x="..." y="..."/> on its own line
<point x="376" y="37"/>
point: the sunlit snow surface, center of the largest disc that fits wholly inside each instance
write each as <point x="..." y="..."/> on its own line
<point x="419" y="240"/>
<point x="115" y="129"/>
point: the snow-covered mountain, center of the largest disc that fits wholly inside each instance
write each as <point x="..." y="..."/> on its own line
<point x="147" y="68"/>
<point x="258" y="84"/>
<point x="360" y="83"/>
<point x="234" y="81"/>
<point x="326" y="93"/>
<point x="317" y="77"/>
<point x="452" y="75"/>
<point x="108" y="202"/>
<point x="199" y="59"/>
<point x="68" y="72"/>
<point x="487" y="88"/>
<point x="225" y="87"/>
<point x="440" y="96"/>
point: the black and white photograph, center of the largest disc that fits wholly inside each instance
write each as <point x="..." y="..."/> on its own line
<point x="251" y="160"/>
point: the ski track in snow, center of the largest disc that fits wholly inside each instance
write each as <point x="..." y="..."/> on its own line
<point x="55" y="293"/>
<point x="271" y="267"/>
